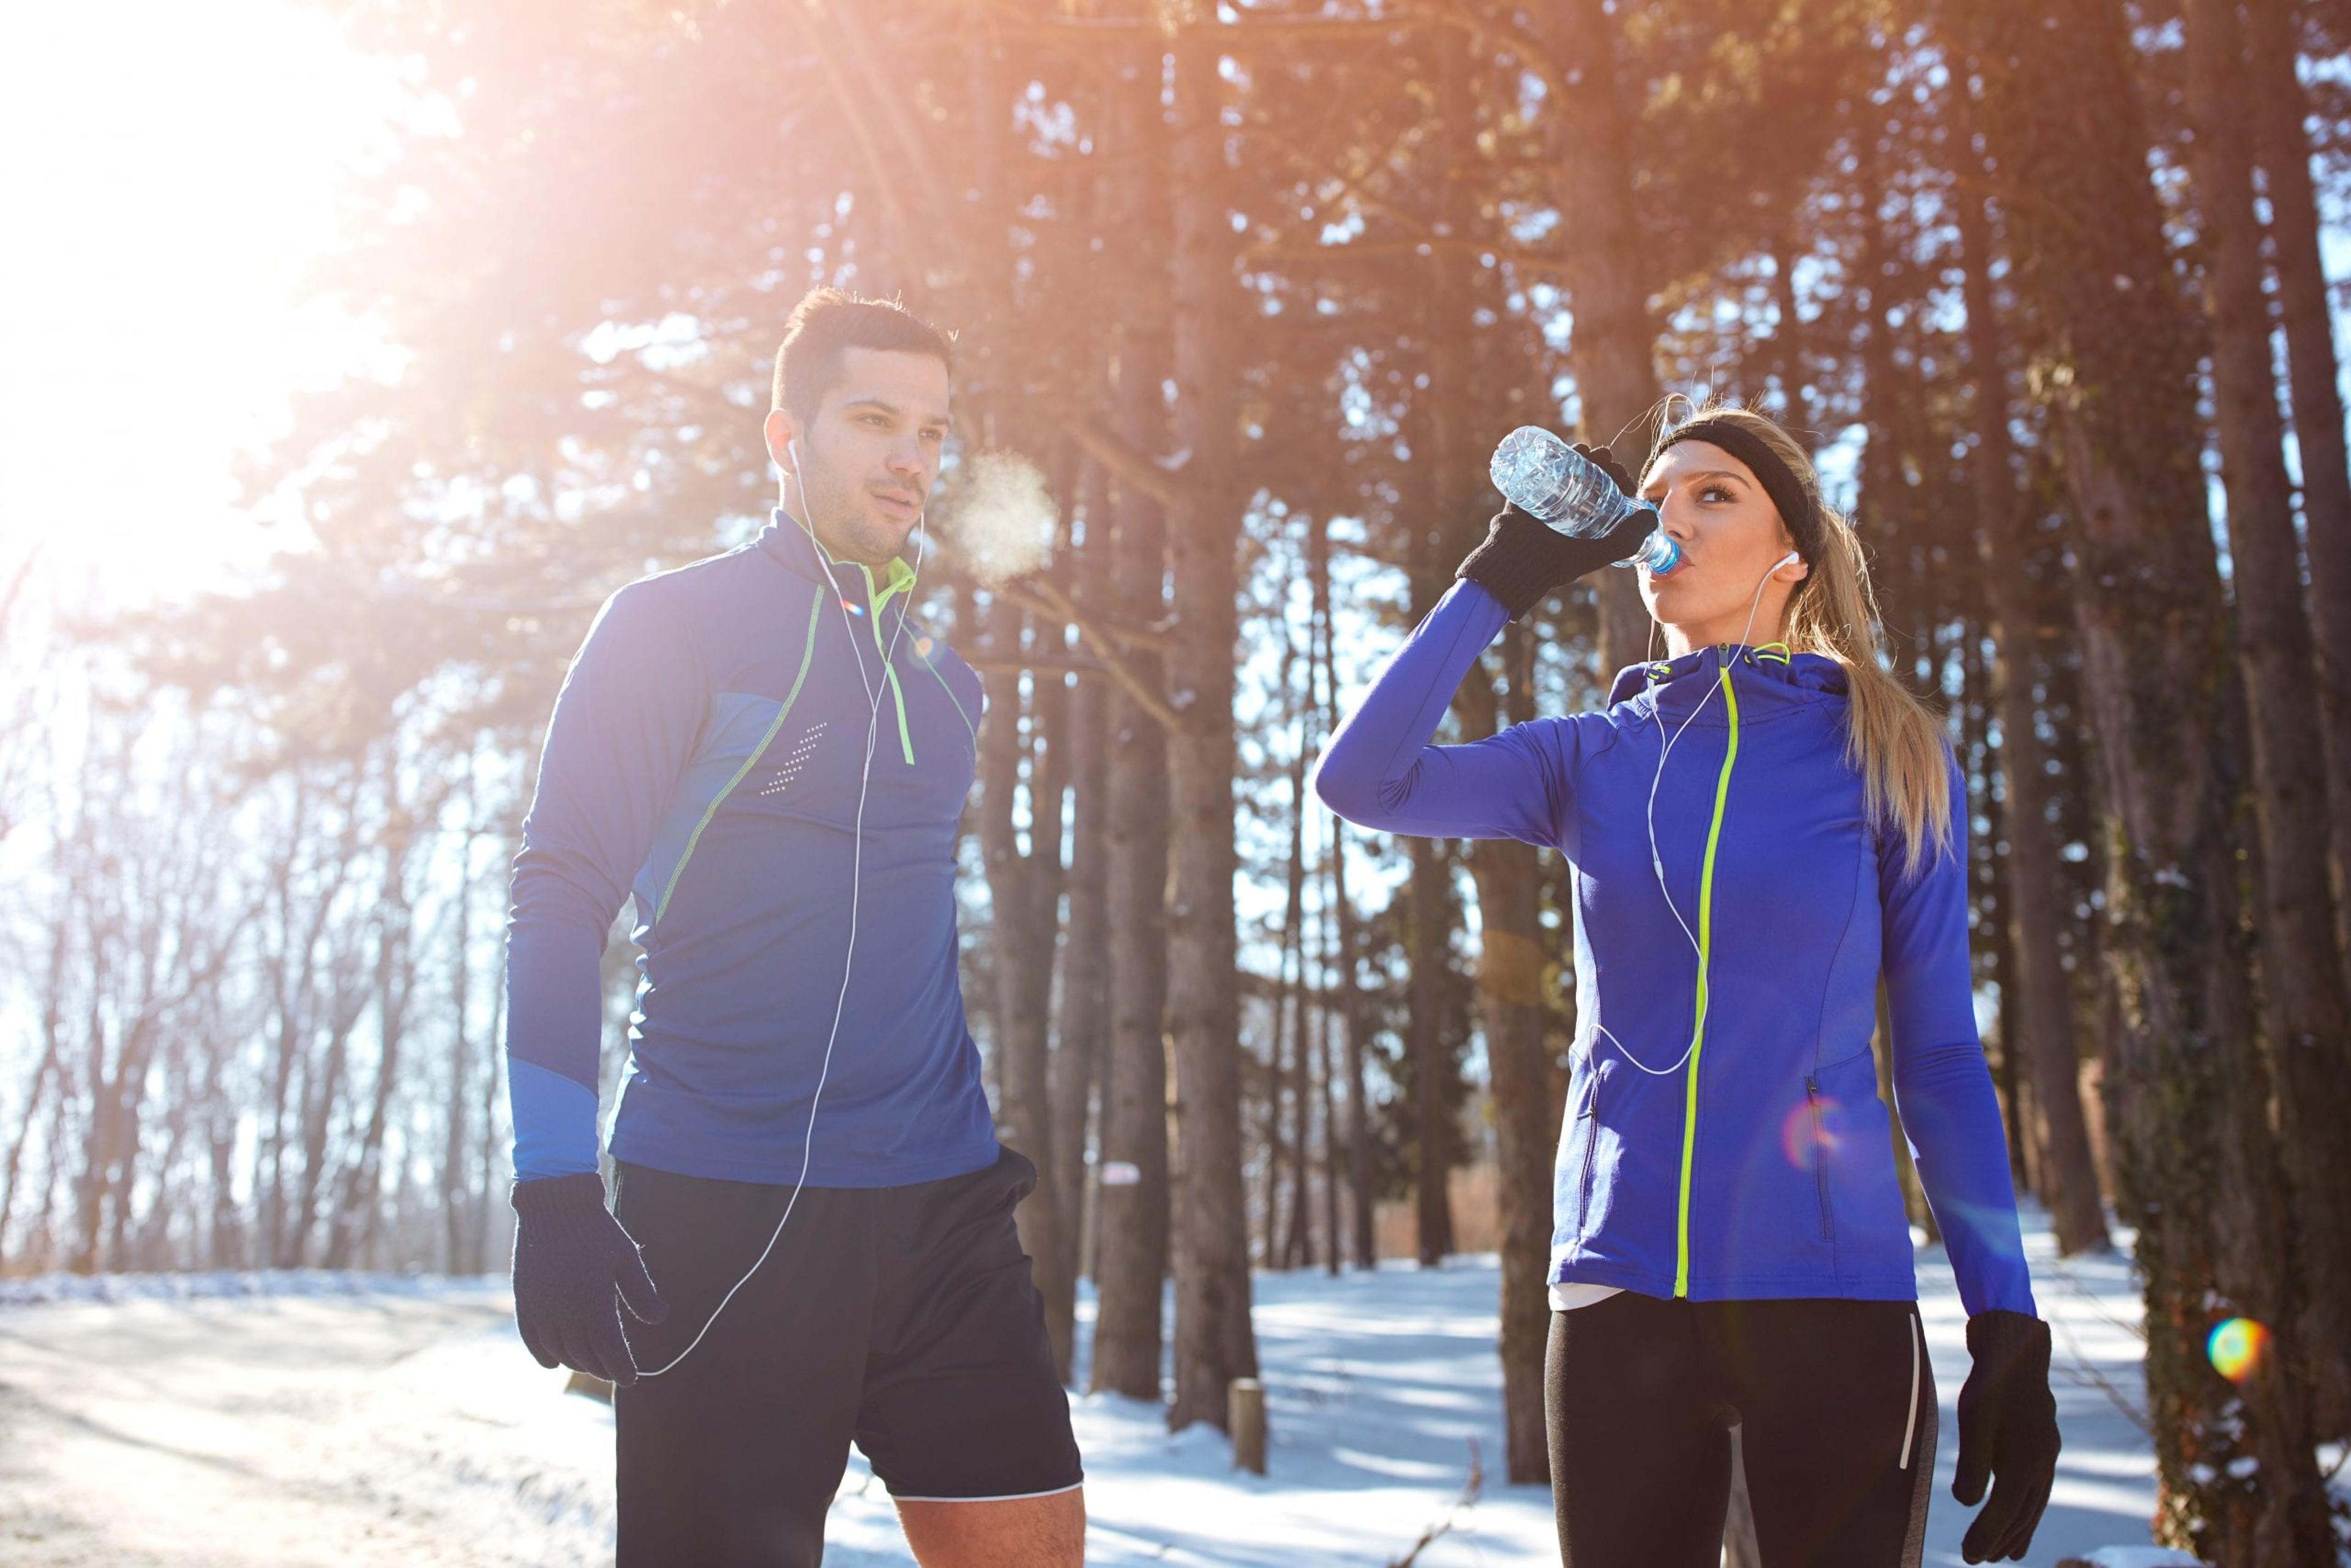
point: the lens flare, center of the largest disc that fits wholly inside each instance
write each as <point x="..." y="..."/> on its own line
<point x="1809" y="1128"/>
<point x="2238" y="1346"/>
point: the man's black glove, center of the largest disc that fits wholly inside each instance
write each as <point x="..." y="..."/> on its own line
<point x="572" y="1260"/>
<point x="2008" y="1431"/>
<point x="1524" y="558"/>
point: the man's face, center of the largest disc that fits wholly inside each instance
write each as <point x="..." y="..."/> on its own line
<point x="867" y="461"/>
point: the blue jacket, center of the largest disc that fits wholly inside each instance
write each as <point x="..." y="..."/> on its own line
<point x="1752" y="1158"/>
<point x="705" y="760"/>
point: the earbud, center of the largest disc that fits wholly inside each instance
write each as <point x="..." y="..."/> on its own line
<point x="1793" y="558"/>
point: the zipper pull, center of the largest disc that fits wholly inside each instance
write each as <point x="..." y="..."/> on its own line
<point x="1812" y="1088"/>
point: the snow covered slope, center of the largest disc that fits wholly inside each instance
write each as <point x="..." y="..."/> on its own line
<point x="353" y="1420"/>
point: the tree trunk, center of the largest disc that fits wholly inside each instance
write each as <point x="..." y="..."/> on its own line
<point x="1133" y="1217"/>
<point x="2278" y="106"/>
<point x="51" y="1062"/>
<point x="1360" y="1211"/>
<point x="456" y="1187"/>
<point x="1020" y="890"/>
<point x="1048" y="1228"/>
<point x="1432" y="926"/>
<point x="2119" y="357"/>
<point x="1364" y="1247"/>
<point x="351" y="1225"/>
<point x="1085" y="972"/>
<point x="320" y="1095"/>
<point x="2282" y="1516"/>
<point x="1512" y="1004"/>
<point x="1269" y="1122"/>
<point x="1297" y="1248"/>
<point x="1326" y="958"/>
<point x="2043" y="1007"/>
<point x="1448" y="483"/>
<point x="1612" y="351"/>
<point x="1992" y="897"/>
<point x="1213" y="1339"/>
<point x="2307" y="1015"/>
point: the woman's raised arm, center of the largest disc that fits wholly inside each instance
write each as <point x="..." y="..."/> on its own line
<point x="1380" y="770"/>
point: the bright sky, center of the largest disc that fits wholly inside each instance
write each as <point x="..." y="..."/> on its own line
<point x="170" y="169"/>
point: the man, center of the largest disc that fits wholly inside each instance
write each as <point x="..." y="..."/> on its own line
<point x="769" y="756"/>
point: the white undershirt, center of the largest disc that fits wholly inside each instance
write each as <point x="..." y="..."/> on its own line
<point x="1566" y="1298"/>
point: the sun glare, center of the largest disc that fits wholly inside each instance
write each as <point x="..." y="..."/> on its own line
<point x="171" y="173"/>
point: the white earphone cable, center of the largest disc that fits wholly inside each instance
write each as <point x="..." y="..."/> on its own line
<point x="856" y="867"/>
<point x="1656" y="859"/>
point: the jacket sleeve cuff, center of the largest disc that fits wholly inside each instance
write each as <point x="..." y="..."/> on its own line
<point x="554" y="1120"/>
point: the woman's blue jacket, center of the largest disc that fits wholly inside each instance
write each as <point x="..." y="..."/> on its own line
<point x="1723" y="1137"/>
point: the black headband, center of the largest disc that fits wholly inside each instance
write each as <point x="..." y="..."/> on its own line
<point x="1778" y="480"/>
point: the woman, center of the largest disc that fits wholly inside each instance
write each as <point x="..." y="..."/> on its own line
<point x="1762" y="826"/>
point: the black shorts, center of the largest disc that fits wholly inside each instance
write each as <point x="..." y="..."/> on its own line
<point x="902" y="1319"/>
<point x="1835" y="1405"/>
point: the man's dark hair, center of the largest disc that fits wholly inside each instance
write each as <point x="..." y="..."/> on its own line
<point x="827" y="321"/>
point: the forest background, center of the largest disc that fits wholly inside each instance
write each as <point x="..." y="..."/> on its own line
<point x="1251" y="289"/>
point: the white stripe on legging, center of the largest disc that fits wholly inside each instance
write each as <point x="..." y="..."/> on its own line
<point x="1910" y="1422"/>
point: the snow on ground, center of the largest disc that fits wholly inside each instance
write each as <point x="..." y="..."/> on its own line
<point x="347" y="1421"/>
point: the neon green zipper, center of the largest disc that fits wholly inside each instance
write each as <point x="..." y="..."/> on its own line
<point x="808" y="653"/>
<point x="1705" y="958"/>
<point x="902" y="577"/>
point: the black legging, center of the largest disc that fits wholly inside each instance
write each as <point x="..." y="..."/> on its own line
<point x="1838" y="1410"/>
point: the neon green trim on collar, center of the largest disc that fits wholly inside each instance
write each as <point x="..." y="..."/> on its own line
<point x="901" y="579"/>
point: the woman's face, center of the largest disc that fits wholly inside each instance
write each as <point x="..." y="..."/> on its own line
<point x="1730" y="537"/>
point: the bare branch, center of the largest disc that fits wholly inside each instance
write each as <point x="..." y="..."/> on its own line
<point x="1126" y="465"/>
<point x="1040" y="596"/>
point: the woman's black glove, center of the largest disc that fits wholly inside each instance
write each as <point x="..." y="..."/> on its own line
<point x="1600" y="457"/>
<point x="2008" y="1432"/>
<point x="1524" y="558"/>
<point x="572" y="1260"/>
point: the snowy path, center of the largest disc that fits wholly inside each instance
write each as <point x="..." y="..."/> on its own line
<point x="219" y="1432"/>
<point x="406" y="1426"/>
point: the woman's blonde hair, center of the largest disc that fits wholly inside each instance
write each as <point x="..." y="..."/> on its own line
<point x="1891" y="740"/>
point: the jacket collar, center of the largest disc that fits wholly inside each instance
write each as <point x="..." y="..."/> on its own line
<point x="1770" y="680"/>
<point x="797" y="548"/>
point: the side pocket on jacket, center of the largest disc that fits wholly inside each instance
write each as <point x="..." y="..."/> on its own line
<point x="1820" y="1177"/>
<point x="1590" y="1116"/>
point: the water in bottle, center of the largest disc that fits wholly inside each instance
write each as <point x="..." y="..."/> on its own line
<point x="1541" y="474"/>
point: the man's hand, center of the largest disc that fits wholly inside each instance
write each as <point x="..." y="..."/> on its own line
<point x="2008" y="1433"/>
<point x="571" y="1262"/>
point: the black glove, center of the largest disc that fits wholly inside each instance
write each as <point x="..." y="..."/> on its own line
<point x="570" y="1259"/>
<point x="1523" y="559"/>
<point x="1600" y="457"/>
<point x="2008" y="1431"/>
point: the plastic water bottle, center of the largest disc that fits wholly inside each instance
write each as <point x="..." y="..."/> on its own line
<point x="1541" y="474"/>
